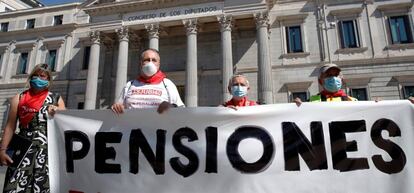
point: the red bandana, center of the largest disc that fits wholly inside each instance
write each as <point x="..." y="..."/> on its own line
<point x="154" y="79"/>
<point x="340" y="93"/>
<point x="241" y="103"/>
<point x="29" y="104"/>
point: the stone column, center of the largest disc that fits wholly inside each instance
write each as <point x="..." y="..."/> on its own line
<point x="263" y="58"/>
<point x="68" y="49"/>
<point x="191" y="90"/>
<point x="122" y="66"/>
<point x="93" y="71"/>
<point x="153" y="35"/>
<point x="226" y="48"/>
<point x="38" y="52"/>
<point x="7" y="59"/>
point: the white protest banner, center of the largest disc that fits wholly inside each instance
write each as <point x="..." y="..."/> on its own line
<point x="343" y="147"/>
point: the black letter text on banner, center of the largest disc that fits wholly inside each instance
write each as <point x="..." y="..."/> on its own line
<point x="211" y="152"/>
<point x="70" y="137"/>
<point x="340" y="146"/>
<point x="244" y="133"/>
<point x="397" y="154"/>
<point x="102" y="153"/>
<point x="176" y="164"/>
<point x="138" y="141"/>
<point x="295" y="142"/>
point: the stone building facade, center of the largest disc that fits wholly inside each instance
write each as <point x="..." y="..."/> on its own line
<point x="13" y="5"/>
<point x="94" y="47"/>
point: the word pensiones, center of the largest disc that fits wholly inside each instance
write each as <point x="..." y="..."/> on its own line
<point x="295" y="144"/>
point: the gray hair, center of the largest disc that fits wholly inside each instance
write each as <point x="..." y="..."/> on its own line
<point x="150" y="49"/>
<point x="236" y="76"/>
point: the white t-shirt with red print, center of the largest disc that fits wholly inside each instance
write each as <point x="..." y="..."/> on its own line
<point x="137" y="94"/>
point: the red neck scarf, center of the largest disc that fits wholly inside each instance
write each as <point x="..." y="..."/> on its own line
<point x="154" y="79"/>
<point x="339" y="93"/>
<point x="241" y="103"/>
<point x="29" y="104"/>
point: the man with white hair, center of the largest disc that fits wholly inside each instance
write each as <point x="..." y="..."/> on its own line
<point x="239" y="87"/>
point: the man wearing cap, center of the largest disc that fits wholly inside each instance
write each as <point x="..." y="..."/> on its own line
<point x="239" y="87"/>
<point x="330" y="78"/>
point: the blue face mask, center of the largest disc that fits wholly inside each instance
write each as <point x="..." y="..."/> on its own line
<point x="332" y="84"/>
<point x="239" y="91"/>
<point x="38" y="83"/>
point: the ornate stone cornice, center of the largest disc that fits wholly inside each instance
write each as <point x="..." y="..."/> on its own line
<point x="191" y="25"/>
<point x="36" y="10"/>
<point x="122" y="33"/>
<point x="39" y="30"/>
<point x="95" y="37"/>
<point x="226" y="22"/>
<point x="153" y="30"/>
<point x="395" y="6"/>
<point x="25" y="45"/>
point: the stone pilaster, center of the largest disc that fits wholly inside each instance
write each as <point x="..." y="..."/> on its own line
<point x="8" y="59"/>
<point x="68" y="49"/>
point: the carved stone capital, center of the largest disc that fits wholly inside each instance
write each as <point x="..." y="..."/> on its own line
<point x="95" y="37"/>
<point x="226" y="22"/>
<point x="262" y="19"/>
<point x="191" y="25"/>
<point x="11" y="44"/>
<point x="68" y="35"/>
<point x="153" y="30"/>
<point x="8" y="47"/>
<point x="39" y="39"/>
<point x="122" y="33"/>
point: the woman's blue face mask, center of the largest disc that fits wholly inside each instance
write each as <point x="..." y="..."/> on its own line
<point x="38" y="83"/>
<point x="332" y="84"/>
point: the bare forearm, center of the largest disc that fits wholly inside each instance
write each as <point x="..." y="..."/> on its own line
<point x="7" y="136"/>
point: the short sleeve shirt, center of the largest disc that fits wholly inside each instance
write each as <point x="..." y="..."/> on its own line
<point x="137" y="94"/>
